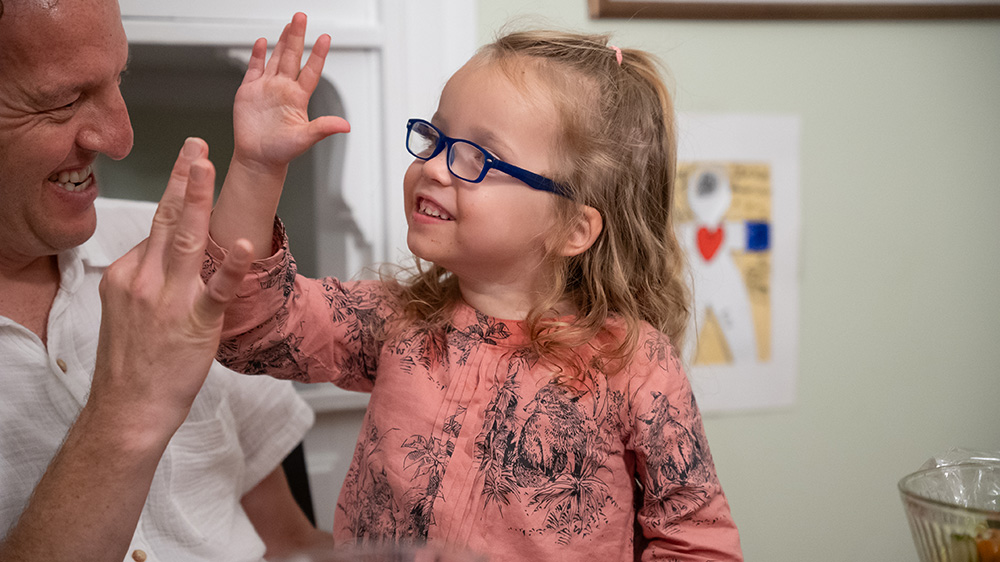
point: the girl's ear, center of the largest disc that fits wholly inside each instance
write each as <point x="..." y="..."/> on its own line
<point x="588" y="226"/>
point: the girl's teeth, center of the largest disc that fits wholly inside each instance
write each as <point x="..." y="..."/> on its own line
<point x="433" y="212"/>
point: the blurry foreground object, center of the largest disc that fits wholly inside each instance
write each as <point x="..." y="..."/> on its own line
<point x="953" y="506"/>
<point x="387" y="553"/>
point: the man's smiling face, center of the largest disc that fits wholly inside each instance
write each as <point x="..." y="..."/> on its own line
<point x="60" y="106"/>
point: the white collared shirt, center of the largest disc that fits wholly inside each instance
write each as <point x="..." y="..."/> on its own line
<point x="239" y="429"/>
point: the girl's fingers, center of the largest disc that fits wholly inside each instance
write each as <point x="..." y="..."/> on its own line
<point x="310" y="75"/>
<point x="273" y="63"/>
<point x="326" y="125"/>
<point x="257" y="59"/>
<point x="291" y="56"/>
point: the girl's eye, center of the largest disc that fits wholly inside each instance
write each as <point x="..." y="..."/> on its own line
<point x="424" y="145"/>
<point x="479" y="158"/>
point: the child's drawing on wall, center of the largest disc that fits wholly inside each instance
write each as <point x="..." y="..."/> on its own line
<point x="724" y="216"/>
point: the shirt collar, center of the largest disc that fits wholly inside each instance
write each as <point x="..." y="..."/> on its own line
<point x="74" y="262"/>
<point x="92" y="253"/>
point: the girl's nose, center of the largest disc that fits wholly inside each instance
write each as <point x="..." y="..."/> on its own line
<point x="436" y="169"/>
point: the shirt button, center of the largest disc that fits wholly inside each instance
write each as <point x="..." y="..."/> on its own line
<point x="62" y="364"/>
<point x="139" y="555"/>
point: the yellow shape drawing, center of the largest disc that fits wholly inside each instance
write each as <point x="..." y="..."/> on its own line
<point x="712" y="347"/>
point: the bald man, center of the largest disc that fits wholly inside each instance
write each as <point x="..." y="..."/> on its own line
<point x="120" y="439"/>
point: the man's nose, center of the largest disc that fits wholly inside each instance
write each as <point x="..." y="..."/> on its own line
<point x="107" y="129"/>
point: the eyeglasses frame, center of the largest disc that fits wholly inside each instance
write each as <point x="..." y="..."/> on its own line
<point x="490" y="162"/>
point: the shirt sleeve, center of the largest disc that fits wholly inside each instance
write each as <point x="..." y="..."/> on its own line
<point x="310" y="330"/>
<point x="684" y="514"/>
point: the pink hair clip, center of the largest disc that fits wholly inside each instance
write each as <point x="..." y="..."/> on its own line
<point x="618" y="54"/>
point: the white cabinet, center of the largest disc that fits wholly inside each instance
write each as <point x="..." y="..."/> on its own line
<point x="353" y="11"/>
<point x="388" y="62"/>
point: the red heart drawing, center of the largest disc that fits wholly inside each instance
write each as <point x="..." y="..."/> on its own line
<point x="709" y="241"/>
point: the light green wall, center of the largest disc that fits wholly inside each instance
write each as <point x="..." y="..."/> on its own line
<point x="899" y="266"/>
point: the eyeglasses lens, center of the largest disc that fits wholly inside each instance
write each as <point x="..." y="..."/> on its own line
<point x="422" y="141"/>
<point x="466" y="161"/>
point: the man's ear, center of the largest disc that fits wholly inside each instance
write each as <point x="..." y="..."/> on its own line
<point x="586" y="230"/>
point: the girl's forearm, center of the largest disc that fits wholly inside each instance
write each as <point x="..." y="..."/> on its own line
<point x="247" y="205"/>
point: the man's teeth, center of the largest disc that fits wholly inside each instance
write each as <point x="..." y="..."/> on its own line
<point x="432" y="211"/>
<point x="77" y="180"/>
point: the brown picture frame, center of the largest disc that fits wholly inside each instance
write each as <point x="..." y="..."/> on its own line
<point x="794" y="9"/>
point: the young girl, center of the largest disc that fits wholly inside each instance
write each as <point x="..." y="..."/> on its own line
<point x="527" y="398"/>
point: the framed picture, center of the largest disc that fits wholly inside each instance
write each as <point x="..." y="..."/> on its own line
<point x="738" y="219"/>
<point x="796" y="9"/>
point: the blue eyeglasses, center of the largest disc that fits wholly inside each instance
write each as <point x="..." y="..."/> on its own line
<point x="467" y="160"/>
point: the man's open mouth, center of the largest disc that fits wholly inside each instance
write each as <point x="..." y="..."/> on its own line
<point x="74" y="181"/>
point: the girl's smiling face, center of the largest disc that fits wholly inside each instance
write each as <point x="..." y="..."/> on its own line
<point x="492" y="235"/>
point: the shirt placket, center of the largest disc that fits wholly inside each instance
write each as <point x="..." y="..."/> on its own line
<point x="462" y="481"/>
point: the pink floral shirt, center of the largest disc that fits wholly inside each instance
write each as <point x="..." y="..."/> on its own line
<point x="466" y="441"/>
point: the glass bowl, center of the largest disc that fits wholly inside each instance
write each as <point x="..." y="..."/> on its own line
<point x="954" y="512"/>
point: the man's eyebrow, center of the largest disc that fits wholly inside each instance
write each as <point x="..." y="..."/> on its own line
<point x="59" y="94"/>
<point x="55" y="94"/>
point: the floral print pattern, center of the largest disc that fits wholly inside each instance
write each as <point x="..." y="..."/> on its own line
<point x="467" y="439"/>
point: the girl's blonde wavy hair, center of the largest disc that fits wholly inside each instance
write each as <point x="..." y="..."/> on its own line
<point x="617" y="154"/>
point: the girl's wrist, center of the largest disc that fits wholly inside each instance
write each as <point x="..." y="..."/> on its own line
<point x="257" y="170"/>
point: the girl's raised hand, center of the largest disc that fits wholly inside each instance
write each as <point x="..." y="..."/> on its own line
<point x="270" y="116"/>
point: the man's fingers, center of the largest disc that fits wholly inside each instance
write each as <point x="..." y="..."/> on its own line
<point x="171" y="206"/>
<point x="221" y="288"/>
<point x="118" y="276"/>
<point x="190" y="236"/>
